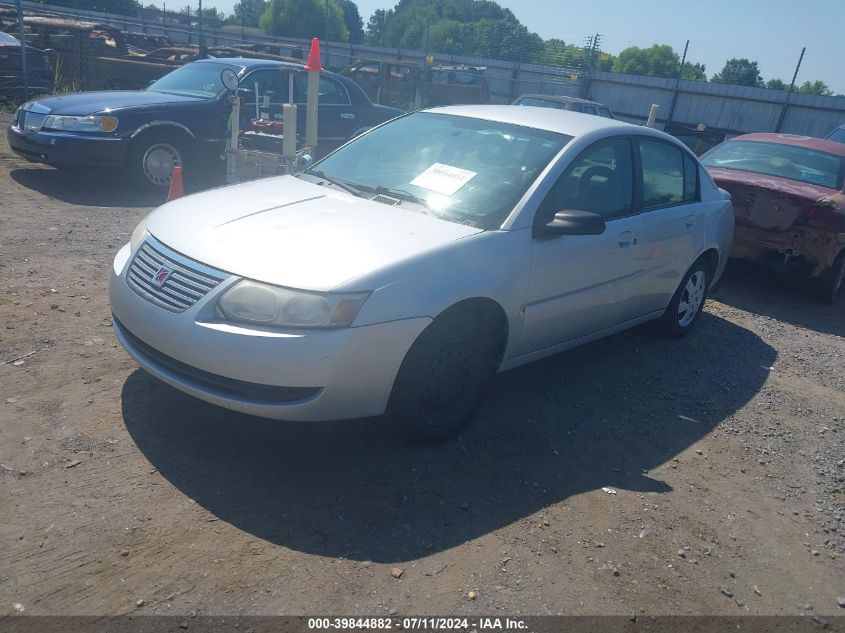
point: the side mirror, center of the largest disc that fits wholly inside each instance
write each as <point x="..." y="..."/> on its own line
<point x="571" y="223"/>
<point x="304" y="161"/>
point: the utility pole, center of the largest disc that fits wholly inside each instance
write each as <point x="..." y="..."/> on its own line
<point x="789" y="92"/>
<point x="591" y="46"/>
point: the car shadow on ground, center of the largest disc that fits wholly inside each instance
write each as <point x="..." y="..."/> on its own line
<point x="755" y="288"/>
<point x="85" y="187"/>
<point x="105" y="188"/>
<point x="601" y="415"/>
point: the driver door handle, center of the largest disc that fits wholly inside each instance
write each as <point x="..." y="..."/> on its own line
<point x="627" y="239"/>
<point x="347" y="115"/>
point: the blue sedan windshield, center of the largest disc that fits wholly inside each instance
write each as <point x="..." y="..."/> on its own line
<point x="193" y="80"/>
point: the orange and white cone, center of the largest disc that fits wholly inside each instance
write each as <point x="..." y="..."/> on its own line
<point x="177" y="187"/>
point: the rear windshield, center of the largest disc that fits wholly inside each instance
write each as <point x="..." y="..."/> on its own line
<point x="194" y="80"/>
<point x="837" y="135"/>
<point x="773" y="159"/>
<point x="541" y="103"/>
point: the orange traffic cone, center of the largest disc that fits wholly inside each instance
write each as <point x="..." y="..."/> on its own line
<point x="177" y="187"/>
<point x="313" y="63"/>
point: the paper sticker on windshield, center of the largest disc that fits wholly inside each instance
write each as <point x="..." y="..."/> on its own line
<point x="443" y="179"/>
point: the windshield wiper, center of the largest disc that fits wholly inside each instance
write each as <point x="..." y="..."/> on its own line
<point x="337" y="183"/>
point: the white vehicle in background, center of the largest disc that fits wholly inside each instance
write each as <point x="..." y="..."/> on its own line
<point x="401" y="272"/>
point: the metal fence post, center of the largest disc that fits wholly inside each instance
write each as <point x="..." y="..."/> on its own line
<point x="23" y="52"/>
<point x="789" y="93"/>
<point x="677" y="85"/>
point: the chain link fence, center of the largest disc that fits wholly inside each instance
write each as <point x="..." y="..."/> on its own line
<point x="68" y="53"/>
<point x="73" y="50"/>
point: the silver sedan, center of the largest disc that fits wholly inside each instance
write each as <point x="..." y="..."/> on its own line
<point x="401" y="272"/>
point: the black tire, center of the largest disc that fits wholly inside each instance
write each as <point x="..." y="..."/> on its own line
<point x="692" y="292"/>
<point x="829" y="286"/>
<point x="152" y="157"/>
<point x="442" y="379"/>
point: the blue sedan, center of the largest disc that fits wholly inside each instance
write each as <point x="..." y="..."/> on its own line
<point x="180" y="118"/>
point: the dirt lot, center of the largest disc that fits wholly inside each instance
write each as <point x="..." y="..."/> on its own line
<point x="725" y="452"/>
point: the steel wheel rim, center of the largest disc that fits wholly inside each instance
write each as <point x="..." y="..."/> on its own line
<point x="158" y="163"/>
<point x="691" y="298"/>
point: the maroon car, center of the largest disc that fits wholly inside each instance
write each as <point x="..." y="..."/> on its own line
<point x="789" y="203"/>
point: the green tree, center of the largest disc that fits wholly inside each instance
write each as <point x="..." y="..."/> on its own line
<point x="693" y="72"/>
<point x="352" y="20"/>
<point x="211" y="17"/>
<point x="556" y="52"/>
<point x="249" y="12"/>
<point x="470" y="27"/>
<point x="305" y="18"/>
<point x="815" y="88"/>
<point x="741" y="72"/>
<point x="658" y="61"/>
<point x="776" y="84"/>
<point x="377" y="27"/>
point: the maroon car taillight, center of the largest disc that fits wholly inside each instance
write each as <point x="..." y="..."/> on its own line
<point x="827" y="219"/>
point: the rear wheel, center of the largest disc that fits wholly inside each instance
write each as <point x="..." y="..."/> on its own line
<point x="443" y="379"/>
<point x="828" y="286"/>
<point x="687" y="303"/>
<point x="153" y="157"/>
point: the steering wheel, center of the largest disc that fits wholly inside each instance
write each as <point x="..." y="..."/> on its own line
<point x="587" y="175"/>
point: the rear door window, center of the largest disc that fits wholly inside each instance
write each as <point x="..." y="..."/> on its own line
<point x="662" y="173"/>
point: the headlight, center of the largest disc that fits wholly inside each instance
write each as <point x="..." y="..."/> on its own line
<point x="260" y="304"/>
<point x="138" y="235"/>
<point x="81" y="123"/>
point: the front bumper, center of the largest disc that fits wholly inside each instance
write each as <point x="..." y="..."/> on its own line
<point x="67" y="148"/>
<point x="297" y="375"/>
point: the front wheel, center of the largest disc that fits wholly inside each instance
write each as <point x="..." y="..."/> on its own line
<point x="442" y="380"/>
<point x="153" y="157"/>
<point x="687" y="302"/>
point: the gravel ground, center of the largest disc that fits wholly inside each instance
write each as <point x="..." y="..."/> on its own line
<point x="632" y="475"/>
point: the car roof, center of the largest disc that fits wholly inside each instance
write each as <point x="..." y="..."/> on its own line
<point x="249" y="62"/>
<point x="560" y="99"/>
<point x="810" y="142"/>
<point x="561" y="121"/>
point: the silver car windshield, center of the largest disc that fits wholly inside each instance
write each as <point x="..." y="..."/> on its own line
<point x="193" y="80"/>
<point x="461" y="169"/>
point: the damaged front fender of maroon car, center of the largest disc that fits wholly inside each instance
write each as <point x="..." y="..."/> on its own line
<point x="792" y="218"/>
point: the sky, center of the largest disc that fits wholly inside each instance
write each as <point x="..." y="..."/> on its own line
<point x="772" y="32"/>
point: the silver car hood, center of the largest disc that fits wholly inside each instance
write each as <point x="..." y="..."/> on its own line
<point x="293" y="233"/>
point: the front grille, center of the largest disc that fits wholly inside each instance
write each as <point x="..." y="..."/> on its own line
<point x="228" y="387"/>
<point x="187" y="283"/>
<point x="32" y="121"/>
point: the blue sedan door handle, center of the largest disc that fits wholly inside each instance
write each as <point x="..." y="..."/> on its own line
<point x="626" y="239"/>
<point x="347" y="115"/>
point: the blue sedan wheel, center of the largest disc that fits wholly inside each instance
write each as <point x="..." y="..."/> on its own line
<point x="154" y="156"/>
<point x="158" y="163"/>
